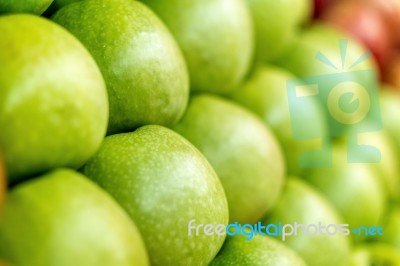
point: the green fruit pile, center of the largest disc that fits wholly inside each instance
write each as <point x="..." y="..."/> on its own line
<point x="139" y="132"/>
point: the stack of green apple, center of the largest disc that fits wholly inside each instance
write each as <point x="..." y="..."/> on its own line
<point x="121" y="121"/>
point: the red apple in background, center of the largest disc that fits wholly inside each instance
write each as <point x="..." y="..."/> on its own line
<point x="365" y="23"/>
<point x="389" y="10"/>
<point x="391" y="71"/>
<point x="320" y="6"/>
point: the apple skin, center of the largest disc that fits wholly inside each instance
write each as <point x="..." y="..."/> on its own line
<point x="389" y="11"/>
<point x="62" y="218"/>
<point x="387" y="168"/>
<point x="2" y="184"/>
<point x="145" y="73"/>
<point x="391" y="227"/>
<point x="276" y="30"/>
<point x="390" y="110"/>
<point x="163" y="182"/>
<point x="391" y="71"/>
<point x="54" y="107"/>
<point x="323" y="40"/>
<point x="323" y="37"/>
<point x="302" y="204"/>
<point x="303" y="11"/>
<point x="216" y="38"/>
<point x="265" y="94"/>
<point x="242" y="150"/>
<point x="375" y="253"/>
<point x="56" y="5"/>
<point x="356" y="190"/>
<point x="363" y="22"/>
<point x="36" y="7"/>
<point x="259" y="251"/>
<point x="320" y="6"/>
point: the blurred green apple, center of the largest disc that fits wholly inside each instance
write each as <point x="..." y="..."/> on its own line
<point x="303" y="10"/>
<point x="375" y="254"/>
<point x="323" y="40"/>
<point x="265" y="94"/>
<point x="53" y="100"/>
<point x="2" y="184"/>
<point x="163" y="182"/>
<point x="355" y="189"/>
<point x="56" y="5"/>
<point x="216" y="38"/>
<point x="64" y="219"/>
<point x="242" y="150"/>
<point x="301" y="204"/>
<point x="342" y="73"/>
<point x="391" y="227"/>
<point x="144" y="70"/>
<point x="24" y="6"/>
<point x="390" y="110"/>
<point x="259" y="251"/>
<point x="388" y="165"/>
<point x="276" y="24"/>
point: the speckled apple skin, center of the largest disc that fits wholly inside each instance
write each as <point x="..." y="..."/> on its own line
<point x="163" y="182"/>
<point x="259" y="251"/>
<point x="216" y="38"/>
<point x="53" y="99"/>
<point x="62" y="218"/>
<point x="242" y="150"/>
<point x="36" y="7"/>
<point x="145" y="73"/>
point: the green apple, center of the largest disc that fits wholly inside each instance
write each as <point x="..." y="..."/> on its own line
<point x="355" y="189"/>
<point x="142" y="65"/>
<point x="391" y="227"/>
<point x="216" y="38"/>
<point x="387" y="167"/>
<point x="376" y="254"/>
<point x="53" y="100"/>
<point x="259" y="251"/>
<point x="301" y="204"/>
<point x="265" y="94"/>
<point x="303" y="10"/>
<point x="24" y="6"/>
<point x="242" y="150"/>
<point x="337" y="67"/>
<point x="2" y="184"/>
<point x="276" y="24"/>
<point x="390" y="110"/>
<point x="62" y="218"/>
<point x="164" y="183"/>
<point x="56" y="5"/>
<point x="324" y="39"/>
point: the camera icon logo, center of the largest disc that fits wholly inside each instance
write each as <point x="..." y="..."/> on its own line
<point x="351" y="104"/>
